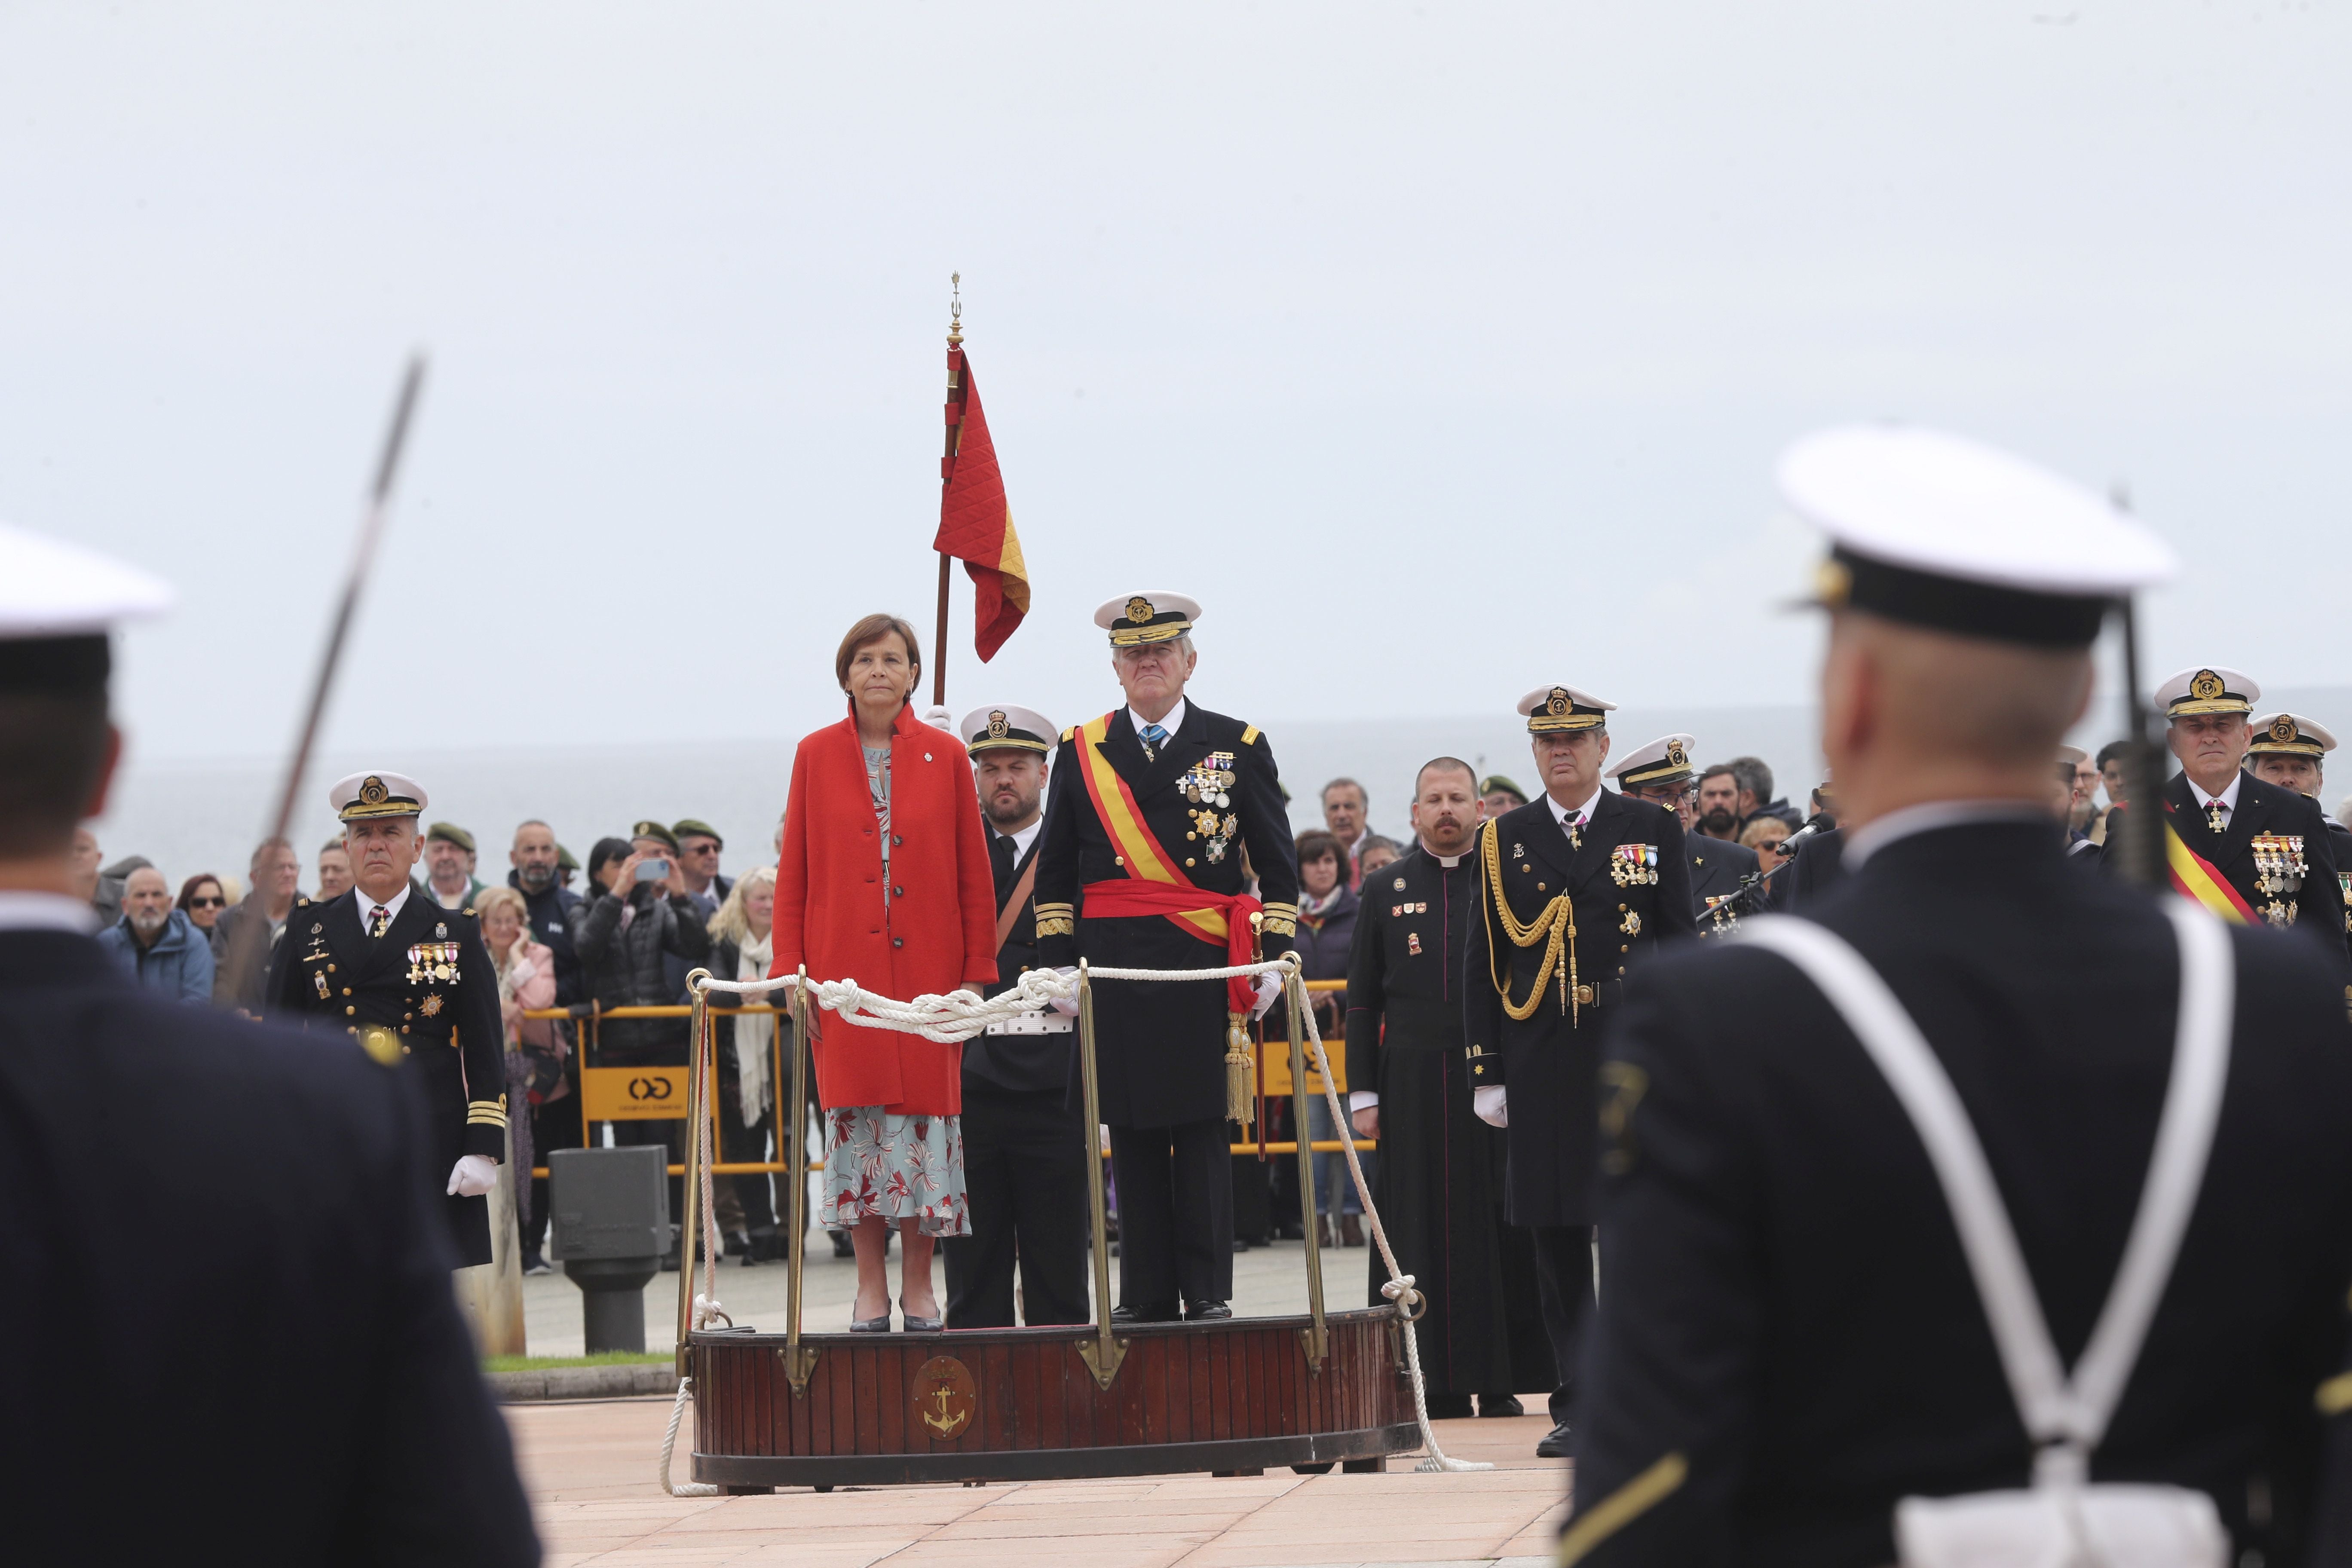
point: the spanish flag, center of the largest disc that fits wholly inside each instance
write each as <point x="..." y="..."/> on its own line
<point x="975" y="523"/>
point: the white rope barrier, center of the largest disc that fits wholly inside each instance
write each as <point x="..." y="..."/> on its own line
<point x="701" y="1149"/>
<point x="961" y="1014"/>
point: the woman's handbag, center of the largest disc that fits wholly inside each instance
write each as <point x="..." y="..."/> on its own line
<point x="2065" y="1519"/>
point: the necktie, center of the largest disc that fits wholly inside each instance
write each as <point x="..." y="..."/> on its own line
<point x="1001" y="860"/>
<point x="380" y="921"/>
<point x="1154" y="737"/>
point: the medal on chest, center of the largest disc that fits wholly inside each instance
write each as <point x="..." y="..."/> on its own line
<point x="432" y="962"/>
<point x="1633" y="865"/>
<point x="2278" y="874"/>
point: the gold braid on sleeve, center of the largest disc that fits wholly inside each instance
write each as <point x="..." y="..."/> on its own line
<point x="1555" y="928"/>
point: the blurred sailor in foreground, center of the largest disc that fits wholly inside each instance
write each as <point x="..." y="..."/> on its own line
<point x="1572" y="890"/>
<point x="2247" y="850"/>
<point x="296" y="1309"/>
<point x="412" y="982"/>
<point x="1409" y="1085"/>
<point x="2290" y="751"/>
<point x="1142" y="867"/>
<point x="1791" y="1339"/>
<point x="1660" y="773"/>
<point x="1025" y="1141"/>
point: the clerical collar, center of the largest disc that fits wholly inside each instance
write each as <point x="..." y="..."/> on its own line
<point x="1929" y="817"/>
<point x="2227" y="797"/>
<point x="1172" y="720"/>
<point x="1448" y="862"/>
<point x="392" y="907"/>
<point x="1582" y="815"/>
<point x="46" y="911"/>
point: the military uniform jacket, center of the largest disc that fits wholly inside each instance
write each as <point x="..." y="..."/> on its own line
<point x="294" y="1298"/>
<point x="1025" y="1062"/>
<point x="1211" y="792"/>
<point x="425" y="992"/>
<point x="1718" y="868"/>
<point x="2267" y="824"/>
<point x="1628" y="882"/>
<point x="1789" y="1339"/>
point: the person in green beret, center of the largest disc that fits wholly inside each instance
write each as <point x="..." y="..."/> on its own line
<point x="449" y="866"/>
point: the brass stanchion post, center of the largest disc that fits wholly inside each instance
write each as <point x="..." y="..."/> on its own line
<point x="1103" y="1353"/>
<point x="1293" y="992"/>
<point x="698" y="1033"/>
<point x="799" y="1359"/>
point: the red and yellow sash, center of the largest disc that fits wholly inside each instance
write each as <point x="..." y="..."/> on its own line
<point x="2193" y="877"/>
<point x="1137" y="848"/>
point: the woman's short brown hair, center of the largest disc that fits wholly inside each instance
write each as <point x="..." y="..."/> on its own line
<point x="874" y="629"/>
<point x="1315" y="843"/>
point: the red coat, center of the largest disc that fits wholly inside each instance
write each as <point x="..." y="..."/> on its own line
<point x="935" y="931"/>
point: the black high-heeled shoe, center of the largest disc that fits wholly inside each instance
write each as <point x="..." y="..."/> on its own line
<point x="880" y="1325"/>
<point x="916" y="1325"/>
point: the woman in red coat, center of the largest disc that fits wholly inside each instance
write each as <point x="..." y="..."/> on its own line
<point x="884" y="880"/>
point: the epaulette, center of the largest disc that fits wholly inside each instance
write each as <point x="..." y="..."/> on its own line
<point x="301" y="904"/>
<point x="1068" y="734"/>
<point x="468" y="912"/>
<point x="1249" y="734"/>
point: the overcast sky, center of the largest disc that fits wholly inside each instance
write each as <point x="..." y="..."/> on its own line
<point x="1443" y="351"/>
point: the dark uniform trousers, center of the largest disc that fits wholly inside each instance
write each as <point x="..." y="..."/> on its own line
<point x="1025" y="1147"/>
<point x="1627" y="879"/>
<point x="1208" y="792"/>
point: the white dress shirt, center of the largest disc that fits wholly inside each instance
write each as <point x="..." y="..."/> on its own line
<point x="1577" y="818"/>
<point x="1171" y="720"/>
<point x="367" y="907"/>
<point x="2227" y="797"/>
<point x="1023" y="839"/>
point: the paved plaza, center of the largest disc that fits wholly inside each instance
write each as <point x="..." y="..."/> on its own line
<point x="590" y="1469"/>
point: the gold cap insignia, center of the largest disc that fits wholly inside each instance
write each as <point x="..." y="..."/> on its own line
<point x="2206" y="687"/>
<point x="1139" y="610"/>
<point x="997" y="728"/>
<point x="1559" y="704"/>
<point x="372" y="791"/>
<point x="2282" y="728"/>
<point x="1832" y="584"/>
<point x="1676" y="755"/>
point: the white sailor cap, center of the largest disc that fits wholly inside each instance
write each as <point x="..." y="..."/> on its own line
<point x="2213" y="688"/>
<point x="57" y="602"/>
<point x="1004" y="727"/>
<point x="1547" y="709"/>
<point x="363" y="796"/>
<point x="1666" y="760"/>
<point x="2072" y="756"/>
<point x="1155" y="614"/>
<point x="1941" y="531"/>
<point x="2291" y="735"/>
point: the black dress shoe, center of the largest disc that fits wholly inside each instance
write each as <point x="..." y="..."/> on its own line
<point x="1206" y="1311"/>
<point x="1555" y="1444"/>
<point x="1159" y="1312"/>
<point x="1449" y="1406"/>
<point x="1500" y="1404"/>
<point x="842" y="1245"/>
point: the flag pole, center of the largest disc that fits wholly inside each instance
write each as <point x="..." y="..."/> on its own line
<point x="947" y="465"/>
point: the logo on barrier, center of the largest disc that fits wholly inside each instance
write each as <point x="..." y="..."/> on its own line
<point x="643" y="1088"/>
<point x="634" y="1093"/>
<point x="946" y="1399"/>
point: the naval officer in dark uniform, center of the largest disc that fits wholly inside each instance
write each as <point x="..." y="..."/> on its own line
<point x="280" y="1363"/>
<point x="1574" y="889"/>
<point x="1142" y="867"/>
<point x="1720" y="870"/>
<point x="1409" y="1085"/>
<point x="1790" y="1339"/>
<point x="2271" y="846"/>
<point x="2291" y="751"/>
<point x="413" y="982"/>
<point x="1024" y="1141"/>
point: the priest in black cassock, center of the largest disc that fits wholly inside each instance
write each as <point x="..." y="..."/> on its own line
<point x="1410" y="1088"/>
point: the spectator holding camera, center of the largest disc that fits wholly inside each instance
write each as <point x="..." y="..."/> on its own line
<point x="641" y="917"/>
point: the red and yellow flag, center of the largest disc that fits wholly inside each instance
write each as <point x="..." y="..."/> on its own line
<point x="976" y="522"/>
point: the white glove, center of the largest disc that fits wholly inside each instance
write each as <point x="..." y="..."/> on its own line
<point x="938" y="719"/>
<point x="1486" y="1104"/>
<point x="1067" y="1006"/>
<point x="473" y="1175"/>
<point x="1268" y="987"/>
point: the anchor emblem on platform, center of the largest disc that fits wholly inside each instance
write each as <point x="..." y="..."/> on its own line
<point x="948" y="1399"/>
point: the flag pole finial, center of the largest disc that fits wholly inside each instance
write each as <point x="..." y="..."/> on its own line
<point x="955" y="309"/>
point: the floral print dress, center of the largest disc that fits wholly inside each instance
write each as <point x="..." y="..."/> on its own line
<point x="885" y="1165"/>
